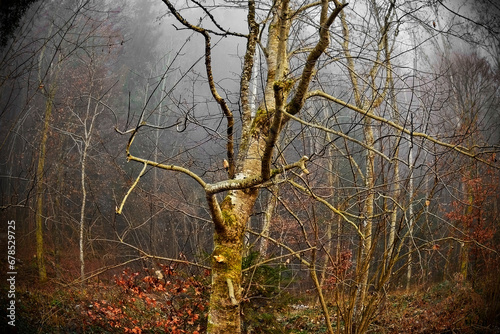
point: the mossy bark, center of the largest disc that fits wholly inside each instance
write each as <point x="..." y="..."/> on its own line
<point x="225" y="297"/>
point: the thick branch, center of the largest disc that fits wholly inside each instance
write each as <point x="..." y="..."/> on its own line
<point x="119" y="209"/>
<point x="253" y="181"/>
<point x="248" y="64"/>
<point x="188" y="25"/>
<point x="215" y="211"/>
<point x="208" y="67"/>
<point x="274" y="130"/>
<point x="350" y="61"/>
<point x="169" y="167"/>
<point x="324" y="39"/>
<point x="225" y="108"/>
<point x="214" y="21"/>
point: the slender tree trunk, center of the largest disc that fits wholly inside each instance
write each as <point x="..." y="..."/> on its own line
<point x="411" y="191"/>
<point x="394" y="213"/>
<point x="397" y="186"/>
<point x="464" y="246"/>
<point x="322" y="301"/>
<point x="271" y="205"/>
<point x="58" y="233"/>
<point x="368" y="210"/>
<point x="42" y="273"/>
<point x="82" y="212"/>
<point x="332" y="180"/>
<point x="86" y="141"/>
<point x="328" y="247"/>
<point x="410" y="223"/>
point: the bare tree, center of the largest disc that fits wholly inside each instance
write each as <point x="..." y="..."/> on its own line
<point x="300" y="44"/>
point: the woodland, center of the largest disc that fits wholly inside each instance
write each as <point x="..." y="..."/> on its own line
<point x="226" y="166"/>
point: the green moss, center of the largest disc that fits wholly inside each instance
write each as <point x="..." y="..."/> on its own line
<point x="229" y="218"/>
<point x="286" y="85"/>
<point x="260" y="121"/>
<point x="262" y="116"/>
<point x="228" y="259"/>
<point x="233" y="226"/>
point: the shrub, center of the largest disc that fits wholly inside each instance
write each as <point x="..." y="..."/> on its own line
<point x="163" y="301"/>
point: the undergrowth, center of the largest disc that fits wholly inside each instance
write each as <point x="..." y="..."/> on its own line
<point x="166" y="301"/>
<point x="447" y="307"/>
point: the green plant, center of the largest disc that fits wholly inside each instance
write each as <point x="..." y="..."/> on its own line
<point x="264" y="296"/>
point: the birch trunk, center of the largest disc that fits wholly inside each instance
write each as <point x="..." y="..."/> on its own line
<point x="366" y="243"/>
<point x="82" y="213"/>
<point x="268" y="214"/>
<point x="411" y="222"/>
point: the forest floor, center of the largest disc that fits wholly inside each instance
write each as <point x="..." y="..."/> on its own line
<point x="147" y="304"/>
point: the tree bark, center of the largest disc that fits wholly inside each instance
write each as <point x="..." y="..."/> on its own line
<point x="368" y="210"/>
<point x="82" y="211"/>
<point x="42" y="272"/>
<point x="224" y="308"/>
<point x="268" y="214"/>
